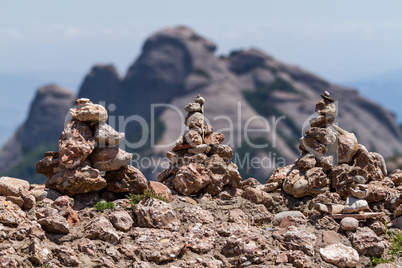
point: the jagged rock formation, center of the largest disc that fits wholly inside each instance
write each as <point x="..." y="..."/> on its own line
<point x="43" y="126"/>
<point x="87" y="148"/>
<point x="177" y="63"/>
<point x="199" y="161"/>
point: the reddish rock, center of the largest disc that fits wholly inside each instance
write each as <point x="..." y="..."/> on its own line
<point x="215" y="138"/>
<point x="347" y="148"/>
<point x="86" y="111"/>
<point x="396" y="177"/>
<point x="110" y="158"/>
<point x="193" y="137"/>
<point x="154" y="213"/>
<point x="190" y="179"/>
<point x="102" y="229"/>
<point x="121" y="220"/>
<point x="10" y="213"/>
<point x="76" y="144"/>
<point x="13" y="186"/>
<point x="331" y="237"/>
<point x="366" y="242"/>
<point x="323" y="135"/>
<point x="161" y="189"/>
<point x="127" y="179"/>
<point x="81" y="180"/>
<point x="106" y="135"/>
<point x="55" y="224"/>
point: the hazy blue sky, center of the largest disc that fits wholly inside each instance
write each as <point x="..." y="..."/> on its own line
<point x="59" y="41"/>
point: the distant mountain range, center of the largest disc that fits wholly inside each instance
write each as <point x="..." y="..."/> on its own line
<point x="174" y="66"/>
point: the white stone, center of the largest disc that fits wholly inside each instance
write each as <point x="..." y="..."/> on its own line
<point x="340" y="255"/>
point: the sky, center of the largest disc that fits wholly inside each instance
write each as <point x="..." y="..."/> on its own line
<point x="46" y="41"/>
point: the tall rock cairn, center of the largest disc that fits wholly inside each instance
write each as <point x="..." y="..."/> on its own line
<point x="332" y="165"/>
<point x="88" y="159"/>
<point x="199" y="162"/>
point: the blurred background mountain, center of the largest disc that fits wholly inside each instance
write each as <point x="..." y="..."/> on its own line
<point x="44" y="54"/>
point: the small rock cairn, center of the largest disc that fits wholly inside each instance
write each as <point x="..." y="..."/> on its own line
<point x="89" y="159"/>
<point x="199" y="162"/>
<point x="334" y="167"/>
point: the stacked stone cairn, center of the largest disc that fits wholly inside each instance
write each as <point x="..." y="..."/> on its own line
<point x="199" y="162"/>
<point x="342" y="175"/>
<point x="89" y="159"/>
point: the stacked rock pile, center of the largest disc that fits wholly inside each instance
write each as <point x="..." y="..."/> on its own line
<point x="199" y="162"/>
<point x="89" y="159"/>
<point x="334" y="167"/>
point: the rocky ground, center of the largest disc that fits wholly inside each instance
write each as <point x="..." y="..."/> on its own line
<point x="336" y="206"/>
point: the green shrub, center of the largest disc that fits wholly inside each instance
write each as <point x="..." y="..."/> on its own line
<point x="395" y="250"/>
<point x="102" y="205"/>
<point x="148" y="194"/>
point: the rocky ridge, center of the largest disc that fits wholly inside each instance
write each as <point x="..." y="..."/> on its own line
<point x="234" y="224"/>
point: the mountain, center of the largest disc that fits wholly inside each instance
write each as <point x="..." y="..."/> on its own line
<point x="245" y="90"/>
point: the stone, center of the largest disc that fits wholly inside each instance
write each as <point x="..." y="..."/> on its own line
<point x="331" y="237"/>
<point x="322" y="121"/>
<point x="324" y="107"/>
<point x="215" y="138"/>
<point x="257" y="196"/>
<point x="161" y="190"/>
<point x="12" y="186"/>
<point x="193" y="107"/>
<point x="313" y="146"/>
<point x="86" y="111"/>
<point x="354" y="205"/>
<point x="195" y="214"/>
<point x="201" y="239"/>
<point x="29" y="200"/>
<point x="102" y="229"/>
<point x="329" y="208"/>
<point x="110" y="158"/>
<point x="371" y="163"/>
<point x="87" y="246"/>
<point x="208" y="129"/>
<point x="380" y="190"/>
<point x="318" y="182"/>
<point x="158" y="245"/>
<point x="199" y="149"/>
<point x="16" y="200"/>
<point x="127" y="179"/>
<point x="10" y="213"/>
<point x="297" y="239"/>
<point x="195" y="120"/>
<point x="323" y="135"/>
<point x="347" y="148"/>
<point x="76" y="144"/>
<point x="396" y="177"/>
<point x="280" y="216"/>
<point x="306" y="162"/>
<point x="190" y="179"/>
<point x="154" y="213"/>
<point x="81" y="180"/>
<point x="349" y="224"/>
<point x="50" y="165"/>
<point x="66" y="256"/>
<point x="121" y="220"/>
<point x="39" y="253"/>
<point x="298" y="258"/>
<point x="224" y="151"/>
<point x="340" y="255"/>
<point x="193" y="137"/>
<point x="366" y="242"/>
<point x="106" y="135"/>
<point x="55" y="224"/>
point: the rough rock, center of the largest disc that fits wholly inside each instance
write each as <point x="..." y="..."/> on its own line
<point x="121" y="220"/>
<point x="86" y="111"/>
<point x="154" y="213"/>
<point x="340" y="255"/>
<point x="127" y="179"/>
<point x="76" y="144"/>
<point x="102" y="229"/>
<point x="55" y="224"/>
<point x="354" y="205"/>
<point x="10" y="213"/>
<point x="160" y="189"/>
<point x="81" y="180"/>
<point x="297" y="239"/>
<point x="190" y="179"/>
<point x="106" y="135"/>
<point x="366" y="242"/>
<point x="280" y="216"/>
<point x="109" y="158"/>
<point x="12" y="186"/>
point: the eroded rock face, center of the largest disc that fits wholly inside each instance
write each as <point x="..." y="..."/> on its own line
<point x="77" y="181"/>
<point x="76" y="144"/>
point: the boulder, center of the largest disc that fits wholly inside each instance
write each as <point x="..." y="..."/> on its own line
<point x="366" y="242"/>
<point x="154" y="213"/>
<point x="55" y="224"/>
<point x="190" y="179"/>
<point x="12" y="186"/>
<point x="102" y="229"/>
